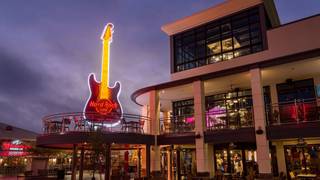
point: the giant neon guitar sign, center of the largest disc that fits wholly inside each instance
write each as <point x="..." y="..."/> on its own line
<point x="103" y="103"/>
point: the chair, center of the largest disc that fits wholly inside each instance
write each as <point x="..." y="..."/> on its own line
<point x="124" y="124"/>
<point x="141" y="124"/>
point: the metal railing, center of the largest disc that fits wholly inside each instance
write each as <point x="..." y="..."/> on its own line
<point x="177" y="124"/>
<point x="293" y="112"/>
<point x="222" y="118"/>
<point x="89" y="122"/>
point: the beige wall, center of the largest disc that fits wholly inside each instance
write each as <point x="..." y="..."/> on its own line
<point x="286" y="40"/>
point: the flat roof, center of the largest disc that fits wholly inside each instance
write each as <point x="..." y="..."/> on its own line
<point x="221" y="10"/>
<point x="11" y="132"/>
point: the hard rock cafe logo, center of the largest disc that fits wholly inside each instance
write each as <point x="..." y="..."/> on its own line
<point x="103" y="106"/>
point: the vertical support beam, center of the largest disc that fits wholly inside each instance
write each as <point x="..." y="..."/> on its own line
<point x="200" y="127"/>
<point x="178" y="163"/>
<point x="74" y="162"/>
<point x="316" y="82"/>
<point x="169" y="163"/>
<point x="154" y="116"/>
<point x="139" y="162"/>
<point x="81" y="163"/>
<point x="263" y="159"/>
<point x="148" y="149"/>
<point x="281" y="162"/>
<point x="107" y="162"/>
<point x="274" y="104"/>
<point x="210" y="159"/>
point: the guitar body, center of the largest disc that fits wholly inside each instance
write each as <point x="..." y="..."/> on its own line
<point x="103" y="110"/>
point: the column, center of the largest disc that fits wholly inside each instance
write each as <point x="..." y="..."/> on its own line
<point x="316" y="81"/>
<point x="74" y="163"/>
<point x="144" y="161"/>
<point x="169" y="163"/>
<point x="263" y="159"/>
<point x="108" y="162"/>
<point x="275" y="118"/>
<point x="81" y="163"/>
<point x="281" y="162"/>
<point x="199" y="116"/>
<point x="148" y="149"/>
<point x="154" y="116"/>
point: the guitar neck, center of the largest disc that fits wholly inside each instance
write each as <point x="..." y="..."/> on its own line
<point x="104" y="90"/>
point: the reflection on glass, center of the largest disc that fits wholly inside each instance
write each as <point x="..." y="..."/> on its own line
<point x="241" y="31"/>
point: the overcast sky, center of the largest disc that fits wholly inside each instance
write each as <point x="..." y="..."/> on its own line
<point x="48" y="48"/>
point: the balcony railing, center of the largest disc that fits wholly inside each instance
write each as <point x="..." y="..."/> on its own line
<point x="77" y="122"/>
<point x="232" y="118"/>
<point x="177" y="124"/>
<point x="293" y="112"/>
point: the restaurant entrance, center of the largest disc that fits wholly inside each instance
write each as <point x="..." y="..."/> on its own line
<point x="178" y="162"/>
<point x="240" y="160"/>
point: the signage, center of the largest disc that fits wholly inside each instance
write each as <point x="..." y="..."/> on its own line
<point x="103" y="104"/>
<point x="14" y="148"/>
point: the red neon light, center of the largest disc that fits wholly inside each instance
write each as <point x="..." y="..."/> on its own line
<point x="8" y="146"/>
<point x="104" y="107"/>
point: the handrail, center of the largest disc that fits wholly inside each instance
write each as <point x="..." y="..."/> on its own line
<point x="230" y="118"/>
<point x="89" y="122"/>
<point x="293" y="112"/>
<point x="177" y="124"/>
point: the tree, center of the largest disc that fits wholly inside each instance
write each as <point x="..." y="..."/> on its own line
<point x="98" y="147"/>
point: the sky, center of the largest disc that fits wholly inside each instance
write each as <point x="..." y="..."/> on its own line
<point x="48" y="48"/>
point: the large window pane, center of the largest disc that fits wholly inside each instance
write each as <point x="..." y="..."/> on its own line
<point x="227" y="44"/>
<point x="222" y="39"/>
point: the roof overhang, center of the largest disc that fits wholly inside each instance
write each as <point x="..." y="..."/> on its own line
<point x="221" y="10"/>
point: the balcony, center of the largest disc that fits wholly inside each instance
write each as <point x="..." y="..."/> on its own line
<point x="77" y="122"/>
<point x="219" y="118"/>
<point x="177" y="124"/>
<point x="294" y="119"/>
<point x="293" y="112"/>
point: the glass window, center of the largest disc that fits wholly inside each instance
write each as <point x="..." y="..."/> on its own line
<point x="223" y="39"/>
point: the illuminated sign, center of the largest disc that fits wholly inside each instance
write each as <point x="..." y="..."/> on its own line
<point x="14" y="148"/>
<point x="104" y="100"/>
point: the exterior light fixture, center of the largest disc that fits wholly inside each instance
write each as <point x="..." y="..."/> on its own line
<point x="198" y="135"/>
<point x="259" y="131"/>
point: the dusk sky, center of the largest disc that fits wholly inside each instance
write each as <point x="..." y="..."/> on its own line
<point x="48" y="48"/>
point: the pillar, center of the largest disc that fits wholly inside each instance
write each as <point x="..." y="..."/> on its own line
<point x="107" y="162"/>
<point x="274" y="104"/>
<point x="144" y="161"/>
<point x="202" y="157"/>
<point x="74" y="162"/>
<point x="263" y="159"/>
<point x="148" y="160"/>
<point x="155" y="122"/>
<point x="169" y="163"/>
<point x="81" y="163"/>
<point x="316" y="81"/>
<point x="281" y="162"/>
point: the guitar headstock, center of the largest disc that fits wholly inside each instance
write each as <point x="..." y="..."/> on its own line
<point x="107" y="32"/>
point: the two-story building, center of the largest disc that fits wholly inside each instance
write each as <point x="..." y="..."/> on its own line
<point x="243" y="97"/>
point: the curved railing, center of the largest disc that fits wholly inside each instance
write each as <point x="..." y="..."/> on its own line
<point x="78" y="121"/>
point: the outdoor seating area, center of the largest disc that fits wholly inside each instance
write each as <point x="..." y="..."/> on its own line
<point x="177" y="124"/>
<point x="70" y="122"/>
<point x="293" y="112"/>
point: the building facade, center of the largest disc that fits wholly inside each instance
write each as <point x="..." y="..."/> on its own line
<point x="15" y="145"/>
<point x="243" y="99"/>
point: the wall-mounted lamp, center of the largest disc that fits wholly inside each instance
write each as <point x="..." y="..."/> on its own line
<point x="259" y="131"/>
<point x="198" y="135"/>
